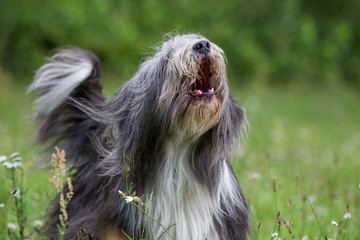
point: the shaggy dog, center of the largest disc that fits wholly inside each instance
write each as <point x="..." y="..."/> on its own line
<point x="167" y="134"/>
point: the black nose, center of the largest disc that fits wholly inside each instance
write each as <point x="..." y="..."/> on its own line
<point x="202" y="47"/>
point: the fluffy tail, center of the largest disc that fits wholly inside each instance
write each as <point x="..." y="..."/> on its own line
<point x="71" y="74"/>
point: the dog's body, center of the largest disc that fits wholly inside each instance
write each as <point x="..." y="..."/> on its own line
<point x="168" y="133"/>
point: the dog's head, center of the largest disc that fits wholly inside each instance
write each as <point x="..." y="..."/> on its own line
<point x="194" y="86"/>
<point x="179" y="92"/>
<point x="179" y="95"/>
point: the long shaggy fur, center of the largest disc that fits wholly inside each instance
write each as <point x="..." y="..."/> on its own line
<point x="169" y="132"/>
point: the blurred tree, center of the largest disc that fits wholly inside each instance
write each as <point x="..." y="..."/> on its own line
<point x="272" y="42"/>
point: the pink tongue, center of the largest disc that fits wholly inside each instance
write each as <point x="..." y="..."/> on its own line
<point x="195" y="93"/>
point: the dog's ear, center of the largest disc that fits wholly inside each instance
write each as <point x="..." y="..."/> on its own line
<point x="141" y="92"/>
<point x="232" y="128"/>
<point x="219" y="143"/>
<point x="133" y="109"/>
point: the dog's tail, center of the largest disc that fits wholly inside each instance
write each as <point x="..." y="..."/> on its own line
<point x="71" y="75"/>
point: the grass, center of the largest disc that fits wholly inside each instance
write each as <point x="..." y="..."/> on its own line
<point x="308" y="139"/>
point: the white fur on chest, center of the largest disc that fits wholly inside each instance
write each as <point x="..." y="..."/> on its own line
<point x="179" y="199"/>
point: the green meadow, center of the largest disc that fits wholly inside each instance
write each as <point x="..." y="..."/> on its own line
<point x="300" y="160"/>
<point x="294" y="66"/>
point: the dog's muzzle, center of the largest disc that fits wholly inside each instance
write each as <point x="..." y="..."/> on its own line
<point x="203" y="47"/>
<point x="202" y="86"/>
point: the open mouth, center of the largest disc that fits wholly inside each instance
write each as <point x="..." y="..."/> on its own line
<point x="202" y="86"/>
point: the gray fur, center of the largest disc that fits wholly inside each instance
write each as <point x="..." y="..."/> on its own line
<point x="151" y="126"/>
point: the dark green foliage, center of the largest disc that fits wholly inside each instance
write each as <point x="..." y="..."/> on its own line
<point x="268" y="41"/>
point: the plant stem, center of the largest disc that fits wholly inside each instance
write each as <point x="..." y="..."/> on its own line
<point x="133" y="221"/>
<point x="148" y="214"/>
<point x="317" y="220"/>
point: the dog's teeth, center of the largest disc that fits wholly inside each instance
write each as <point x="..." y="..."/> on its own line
<point x="200" y="92"/>
<point x="212" y="90"/>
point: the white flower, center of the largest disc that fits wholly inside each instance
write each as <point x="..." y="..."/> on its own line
<point x="17" y="164"/>
<point x="305" y="237"/>
<point x="37" y="223"/>
<point x="16" y="159"/>
<point x="8" y="165"/>
<point x="15" y="154"/>
<point x="254" y="175"/>
<point x="334" y="223"/>
<point x="16" y="193"/>
<point x="3" y="158"/>
<point x="129" y="199"/>
<point x="11" y="226"/>
<point x="2" y="205"/>
<point x="347" y="215"/>
<point x="275" y="235"/>
<point x="12" y="165"/>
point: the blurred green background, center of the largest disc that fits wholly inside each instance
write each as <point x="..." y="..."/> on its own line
<point x="294" y="65"/>
<point x="270" y="41"/>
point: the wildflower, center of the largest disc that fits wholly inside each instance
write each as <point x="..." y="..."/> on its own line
<point x="275" y="235"/>
<point x="17" y="164"/>
<point x="70" y="194"/>
<point x="305" y="237"/>
<point x="58" y="169"/>
<point x="122" y="194"/>
<point x="3" y="158"/>
<point x="12" y="165"/>
<point x="138" y="200"/>
<point x="15" y="154"/>
<point x="129" y="199"/>
<point x="2" y="205"/>
<point x="16" y="193"/>
<point x="254" y="175"/>
<point x="37" y="223"/>
<point x="334" y="223"/>
<point x="347" y="215"/>
<point x="8" y="165"/>
<point x="11" y="226"/>
<point x="17" y="159"/>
